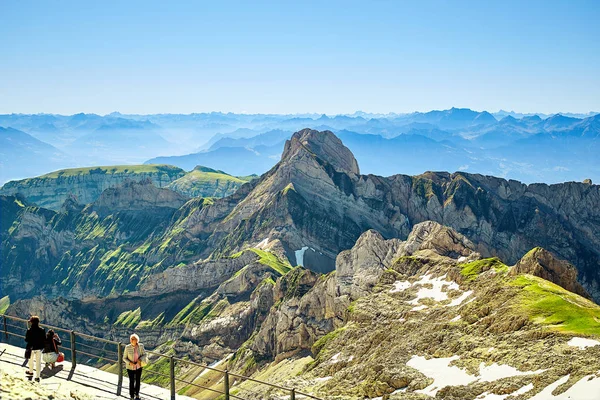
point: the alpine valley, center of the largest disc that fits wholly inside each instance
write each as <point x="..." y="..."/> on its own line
<point x="315" y="276"/>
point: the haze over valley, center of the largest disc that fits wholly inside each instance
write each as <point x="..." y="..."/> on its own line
<point x="528" y="148"/>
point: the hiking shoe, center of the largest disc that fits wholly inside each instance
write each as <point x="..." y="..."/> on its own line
<point x="28" y="373"/>
<point x="37" y="379"/>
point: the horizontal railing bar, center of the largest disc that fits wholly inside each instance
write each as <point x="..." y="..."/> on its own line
<point x="16" y="334"/>
<point x="149" y="371"/>
<point x="200" y="386"/>
<point x="16" y="326"/>
<point x="307" y="395"/>
<point x="157" y="354"/>
<point x="257" y="381"/>
<point x="97" y="356"/>
<point x="199" y="365"/>
<point x="41" y="324"/>
<point x="55" y="328"/>
<point x="96" y="338"/>
<point x="95" y="348"/>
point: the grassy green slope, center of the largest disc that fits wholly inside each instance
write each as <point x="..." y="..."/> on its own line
<point x="207" y="182"/>
<point x="111" y="170"/>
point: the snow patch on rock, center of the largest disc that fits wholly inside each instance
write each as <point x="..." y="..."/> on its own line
<point x="587" y="388"/>
<point x="582" y="343"/>
<point x="458" y="301"/>
<point x="443" y="374"/>
<point x="300" y="256"/>
<point x="436" y="292"/>
<point x="400" y="286"/>
<point x="263" y="244"/>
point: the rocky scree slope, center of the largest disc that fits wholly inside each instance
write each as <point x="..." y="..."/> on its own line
<point x="392" y="320"/>
<point x="425" y="318"/>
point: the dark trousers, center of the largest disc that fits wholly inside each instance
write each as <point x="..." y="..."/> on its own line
<point x="135" y="376"/>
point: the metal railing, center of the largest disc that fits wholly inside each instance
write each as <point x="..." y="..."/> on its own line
<point x="75" y="348"/>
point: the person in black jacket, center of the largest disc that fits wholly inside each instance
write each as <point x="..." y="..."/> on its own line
<point x="35" y="338"/>
<point x="50" y="353"/>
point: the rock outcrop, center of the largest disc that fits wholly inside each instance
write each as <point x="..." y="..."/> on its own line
<point x="393" y="338"/>
<point x="542" y="263"/>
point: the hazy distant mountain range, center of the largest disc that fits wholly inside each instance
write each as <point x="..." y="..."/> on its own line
<point x="530" y="148"/>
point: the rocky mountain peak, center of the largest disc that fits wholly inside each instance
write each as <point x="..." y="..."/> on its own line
<point x="540" y="262"/>
<point x="324" y="145"/>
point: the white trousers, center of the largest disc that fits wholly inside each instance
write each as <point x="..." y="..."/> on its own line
<point x="38" y="358"/>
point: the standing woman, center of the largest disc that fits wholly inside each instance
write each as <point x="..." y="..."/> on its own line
<point x="135" y="358"/>
<point x="35" y="338"/>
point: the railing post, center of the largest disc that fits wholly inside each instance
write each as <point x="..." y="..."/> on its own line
<point x="293" y="394"/>
<point x="5" y="327"/>
<point x="120" y="364"/>
<point x="172" y="378"/>
<point x="73" y="351"/>
<point x="226" y="384"/>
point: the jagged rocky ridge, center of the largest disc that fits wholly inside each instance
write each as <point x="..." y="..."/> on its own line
<point x="315" y="204"/>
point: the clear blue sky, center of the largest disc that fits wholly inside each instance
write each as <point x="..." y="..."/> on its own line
<point x="302" y="56"/>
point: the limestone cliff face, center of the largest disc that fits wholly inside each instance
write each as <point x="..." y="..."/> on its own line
<point x="209" y="309"/>
<point x="306" y="202"/>
<point x="137" y="196"/>
<point x="86" y="184"/>
<point x="192" y="277"/>
<point x="86" y="251"/>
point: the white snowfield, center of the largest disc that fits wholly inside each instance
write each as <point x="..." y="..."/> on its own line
<point x="263" y="244"/>
<point x="439" y="369"/>
<point x="445" y="375"/>
<point x="438" y="291"/>
<point x="587" y="388"/>
<point x="583" y="343"/>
